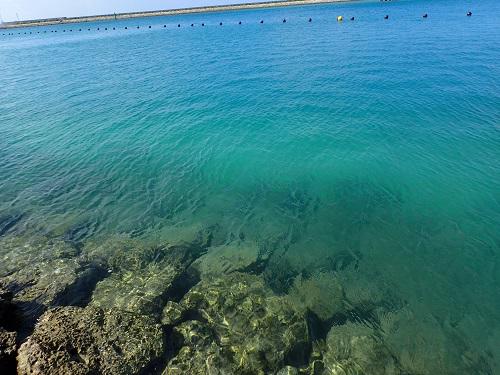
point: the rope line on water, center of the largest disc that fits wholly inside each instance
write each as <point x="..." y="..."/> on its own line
<point x="284" y="20"/>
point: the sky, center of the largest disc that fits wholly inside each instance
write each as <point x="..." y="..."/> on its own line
<point x="12" y="10"/>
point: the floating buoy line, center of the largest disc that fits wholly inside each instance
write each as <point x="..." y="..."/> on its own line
<point x="284" y="20"/>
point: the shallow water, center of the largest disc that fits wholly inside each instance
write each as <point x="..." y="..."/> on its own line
<point x="367" y="150"/>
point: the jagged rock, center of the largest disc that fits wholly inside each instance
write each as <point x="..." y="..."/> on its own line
<point x="73" y="340"/>
<point x="322" y="294"/>
<point x="237" y="325"/>
<point x="226" y="259"/>
<point x="354" y="349"/>
<point x="7" y="350"/>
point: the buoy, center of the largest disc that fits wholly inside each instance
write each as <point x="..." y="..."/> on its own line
<point x="284" y="20"/>
<point x="220" y="23"/>
<point x="261" y="21"/>
<point x="80" y="30"/>
<point x="310" y="19"/>
<point x="386" y="17"/>
<point x="469" y="13"/>
<point x="202" y="24"/>
<point x="97" y="28"/>
<point x="340" y="18"/>
<point x="179" y="25"/>
<point x="425" y="15"/>
<point x="164" y="25"/>
<point x="239" y="23"/>
<point x="113" y="28"/>
<point x="137" y="26"/>
<point x="106" y="28"/>
<point x="352" y="18"/>
<point x="126" y="28"/>
<point x="88" y="29"/>
<point x="149" y="26"/>
<point x="192" y="24"/>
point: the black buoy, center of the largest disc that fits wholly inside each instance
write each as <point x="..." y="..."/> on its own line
<point x="425" y="15"/>
<point x="137" y="26"/>
<point x="386" y="17"/>
<point x="80" y="30"/>
<point x="202" y="24"/>
<point x="149" y="26"/>
<point x="469" y="13"/>
<point x="261" y="21"/>
<point x="97" y="28"/>
<point x="220" y="23"/>
<point x="239" y="23"/>
<point x="126" y="28"/>
<point x="284" y="20"/>
<point x="106" y="28"/>
<point x="114" y="28"/>
<point x="310" y="19"/>
<point x="352" y="18"/>
<point x="192" y="24"/>
<point x="179" y="25"/>
<point x="164" y="25"/>
<point x="88" y="29"/>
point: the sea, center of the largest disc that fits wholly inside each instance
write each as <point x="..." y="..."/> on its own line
<point x="367" y="149"/>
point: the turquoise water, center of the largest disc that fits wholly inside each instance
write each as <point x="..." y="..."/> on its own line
<point x="368" y="149"/>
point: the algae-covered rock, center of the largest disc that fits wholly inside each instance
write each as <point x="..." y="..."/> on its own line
<point x="237" y="325"/>
<point x="354" y="349"/>
<point x="225" y="259"/>
<point x="322" y="294"/>
<point x="142" y="277"/>
<point x="7" y="350"/>
<point x="18" y="252"/>
<point x="73" y="340"/>
<point x="141" y="291"/>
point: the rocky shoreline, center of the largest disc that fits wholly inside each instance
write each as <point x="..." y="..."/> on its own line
<point x="168" y="12"/>
<point x="201" y="306"/>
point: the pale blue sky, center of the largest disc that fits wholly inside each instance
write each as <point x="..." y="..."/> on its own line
<point x="30" y="9"/>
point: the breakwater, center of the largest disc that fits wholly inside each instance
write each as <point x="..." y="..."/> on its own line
<point x="157" y="13"/>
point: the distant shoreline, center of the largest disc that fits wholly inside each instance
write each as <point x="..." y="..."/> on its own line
<point x="156" y="13"/>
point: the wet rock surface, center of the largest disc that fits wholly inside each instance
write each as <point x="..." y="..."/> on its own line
<point x="73" y="340"/>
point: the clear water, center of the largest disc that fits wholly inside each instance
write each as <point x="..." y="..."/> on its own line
<point x="372" y="145"/>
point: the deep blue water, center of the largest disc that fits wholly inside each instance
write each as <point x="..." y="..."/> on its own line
<point x="369" y="145"/>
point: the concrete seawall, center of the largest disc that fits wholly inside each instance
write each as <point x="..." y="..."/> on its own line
<point x="157" y="13"/>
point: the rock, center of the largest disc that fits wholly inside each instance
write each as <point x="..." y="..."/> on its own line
<point x="172" y="313"/>
<point x="18" y="252"/>
<point x="288" y="370"/>
<point x="435" y="347"/>
<point x="74" y="340"/>
<point x="226" y="259"/>
<point x="237" y="325"/>
<point x="141" y="291"/>
<point x="322" y="294"/>
<point x="142" y="278"/>
<point x="7" y="351"/>
<point x="355" y="349"/>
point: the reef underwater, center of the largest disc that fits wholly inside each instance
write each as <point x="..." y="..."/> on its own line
<point x="213" y="301"/>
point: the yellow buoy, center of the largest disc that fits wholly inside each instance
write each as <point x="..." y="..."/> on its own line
<point x="340" y="18"/>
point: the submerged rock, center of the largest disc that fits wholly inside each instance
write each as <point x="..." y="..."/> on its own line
<point x="235" y="324"/>
<point x="225" y="259"/>
<point x="73" y="340"/>
<point x="435" y="347"/>
<point x="141" y="291"/>
<point x="322" y="294"/>
<point x="354" y="349"/>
